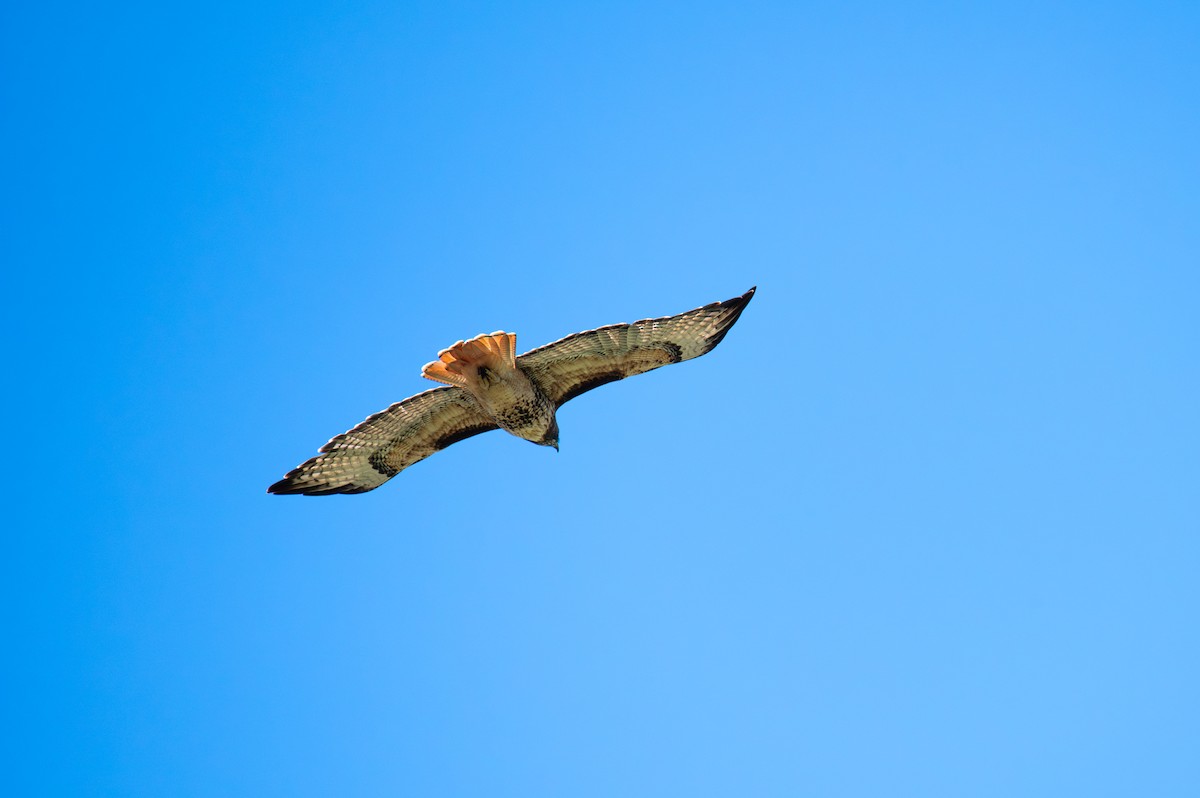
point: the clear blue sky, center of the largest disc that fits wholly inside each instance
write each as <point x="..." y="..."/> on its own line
<point x="927" y="522"/>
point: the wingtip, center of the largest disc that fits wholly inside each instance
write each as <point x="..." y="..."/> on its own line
<point x="732" y="311"/>
<point x="287" y="488"/>
<point x="284" y="487"/>
<point x="740" y="301"/>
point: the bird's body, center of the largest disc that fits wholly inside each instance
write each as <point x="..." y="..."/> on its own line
<point x="490" y="387"/>
<point x="486" y="367"/>
<point x="517" y="405"/>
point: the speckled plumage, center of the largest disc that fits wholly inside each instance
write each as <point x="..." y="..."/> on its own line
<point x="490" y="389"/>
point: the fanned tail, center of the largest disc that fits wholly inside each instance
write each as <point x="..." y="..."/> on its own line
<point x="462" y="362"/>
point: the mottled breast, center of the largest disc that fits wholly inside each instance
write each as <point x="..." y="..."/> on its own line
<point x="509" y="397"/>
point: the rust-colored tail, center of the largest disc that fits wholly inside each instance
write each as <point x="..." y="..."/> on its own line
<point x="461" y="362"/>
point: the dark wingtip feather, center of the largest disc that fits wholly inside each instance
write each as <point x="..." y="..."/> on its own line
<point x="740" y="302"/>
<point x="281" y="487"/>
<point x="286" y="487"/>
<point x="734" y="307"/>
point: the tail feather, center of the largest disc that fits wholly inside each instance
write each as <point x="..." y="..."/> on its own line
<point x="458" y="364"/>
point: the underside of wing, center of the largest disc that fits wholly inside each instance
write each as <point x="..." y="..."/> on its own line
<point x="388" y="442"/>
<point x="586" y="360"/>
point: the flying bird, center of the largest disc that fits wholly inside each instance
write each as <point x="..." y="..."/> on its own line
<point x="490" y="387"/>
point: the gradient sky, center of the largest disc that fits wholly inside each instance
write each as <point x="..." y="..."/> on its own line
<point x="926" y="523"/>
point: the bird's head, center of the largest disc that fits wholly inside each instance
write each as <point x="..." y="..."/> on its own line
<point x="551" y="436"/>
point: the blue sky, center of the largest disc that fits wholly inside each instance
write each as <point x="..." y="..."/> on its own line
<point x="926" y="523"/>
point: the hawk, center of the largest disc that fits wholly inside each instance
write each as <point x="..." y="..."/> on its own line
<point x="490" y="387"/>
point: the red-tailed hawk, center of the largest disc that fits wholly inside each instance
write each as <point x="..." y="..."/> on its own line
<point x="491" y="387"/>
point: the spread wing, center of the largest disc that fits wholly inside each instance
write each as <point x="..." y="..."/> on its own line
<point x="580" y="362"/>
<point x="387" y="443"/>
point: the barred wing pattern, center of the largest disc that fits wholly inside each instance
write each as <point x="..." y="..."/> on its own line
<point x="575" y="364"/>
<point x="387" y="443"/>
